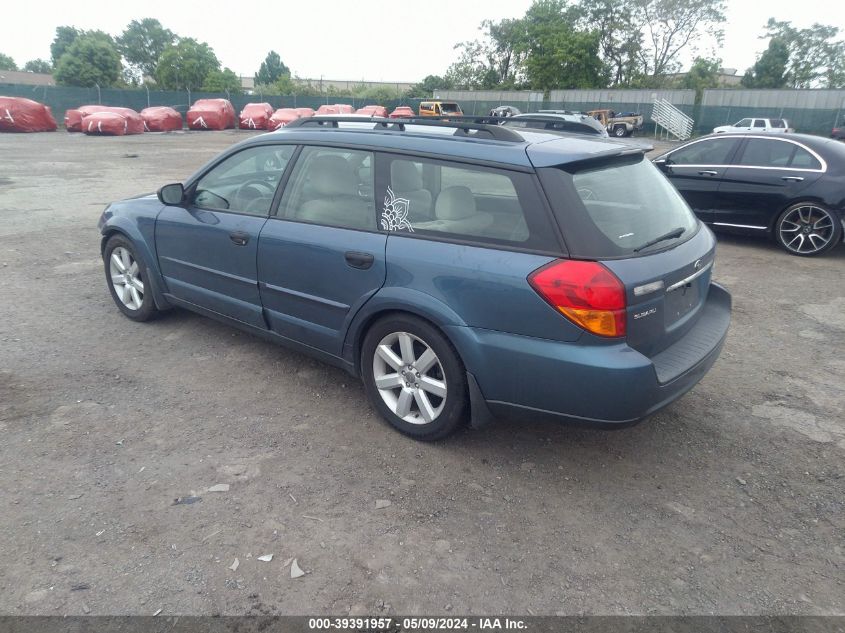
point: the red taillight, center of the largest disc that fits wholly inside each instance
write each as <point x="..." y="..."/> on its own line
<point x="587" y="293"/>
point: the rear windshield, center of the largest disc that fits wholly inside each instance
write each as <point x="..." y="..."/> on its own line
<point x="615" y="208"/>
<point x="562" y="126"/>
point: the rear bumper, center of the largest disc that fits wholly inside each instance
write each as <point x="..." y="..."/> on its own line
<point x="610" y="385"/>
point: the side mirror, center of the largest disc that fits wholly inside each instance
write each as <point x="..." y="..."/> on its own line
<point x="173" y="194"/>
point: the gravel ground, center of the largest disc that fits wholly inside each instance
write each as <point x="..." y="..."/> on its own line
<point x="729" y="501"/>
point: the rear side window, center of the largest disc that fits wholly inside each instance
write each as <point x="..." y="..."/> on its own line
<point x="439" y="199"/>
<point x="714" y="151"/>
<point x="761" y="152"/>
<point x="778" y="123"/>
<point x="612" y="209"/>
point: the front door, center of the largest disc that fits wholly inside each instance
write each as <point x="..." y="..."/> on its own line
<point x="207" y="248"/>
<point x="322" y="256"/>
<point x="697" y="169"/>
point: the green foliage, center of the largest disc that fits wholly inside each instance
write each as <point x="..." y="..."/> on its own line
<point x="769" y="71"/>
<point x="7" y="63"/>
<point x="619" y="27"/>
<point x="65" y="36"/>
<point x="377" y="95"/>
<point x="90" y="60"/>
<point x="556" y="54"/>
<point x="703" y="74"/>
<point x="272" y="69"/>
<point x="816" y="58"/>
<point x="671" y="26"/>
<point x="428" y="85"/>
<point x="222" y="81"/>
<point x="185" y="65"/>
<point x="142" y="44"/>
<point x="38" y="66"/>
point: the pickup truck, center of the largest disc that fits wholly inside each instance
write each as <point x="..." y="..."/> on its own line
<point x="766" y="126"/>
<point x="621" y="124"/>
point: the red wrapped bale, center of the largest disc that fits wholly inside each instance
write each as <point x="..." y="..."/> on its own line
<point x="211" y="114"/>
<point x="282" y="117"/>
<point x="24" y="115"/>
<point x="255" y="116"/>
<point x="113" y="123"/>
<point x="73" y="118"/>
<point x="161" y="119"/>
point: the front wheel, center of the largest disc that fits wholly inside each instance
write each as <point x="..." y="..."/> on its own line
<point x="126" y="276"/>
<point x="808" y="229"/>
<point x="414" y="377"/>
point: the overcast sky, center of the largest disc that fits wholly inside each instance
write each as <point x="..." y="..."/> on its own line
<point x="345" y="39"/>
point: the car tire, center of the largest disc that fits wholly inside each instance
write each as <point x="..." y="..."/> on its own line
<point x="808" y="229"/>
<point x="620" y="131"/>
<point x="414" y="377"/>
<point x="126" y="278"/>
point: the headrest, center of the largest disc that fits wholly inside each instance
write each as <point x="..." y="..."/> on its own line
<point x="332" y="176"/>
<point x="404" y="176"/>
<point x="454" y="203"/>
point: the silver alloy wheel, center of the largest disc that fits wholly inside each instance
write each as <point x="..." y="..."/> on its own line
<point x="409" y="378"/>
<point x="126" y="278"/>
<point x="807" y="229"/>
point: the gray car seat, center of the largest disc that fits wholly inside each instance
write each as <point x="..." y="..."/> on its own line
<point x="456" y="212"/>
<point x="335" y="200"/>
<point x="406" y="182"/>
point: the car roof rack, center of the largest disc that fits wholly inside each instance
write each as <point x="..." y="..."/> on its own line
<point x="470" y="126"/>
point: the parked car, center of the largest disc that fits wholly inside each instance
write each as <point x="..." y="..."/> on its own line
<point x="758" y="126"/>
<point x="618" y="124"/>
<point x="373" y="110"/>
<point x="505" y="110"/>
<point x="558" y="121"/>
<point x="440" y="108"/>
<point x="789" y="187"/>
<point x="838" y="133"/>
<point x="337" y="108"/>
<point x="476" y="273"/>
<point x="401" y="112"/>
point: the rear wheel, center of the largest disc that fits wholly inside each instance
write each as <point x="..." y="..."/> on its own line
<point x="619" y="131"/>
<point x="414" y="377"/>
<point x="808" y="229"/>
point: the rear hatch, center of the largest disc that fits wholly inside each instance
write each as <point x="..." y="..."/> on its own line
<point x="619" y="210"/>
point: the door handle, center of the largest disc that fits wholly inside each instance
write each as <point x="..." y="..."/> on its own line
<point x="359" y="260"/>
<point x="792" y="178"/>
<point x="239" y="238"/>
<point x="708" y="172"/>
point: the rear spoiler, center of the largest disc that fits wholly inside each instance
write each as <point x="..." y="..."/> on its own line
<point x="578" y="151"/>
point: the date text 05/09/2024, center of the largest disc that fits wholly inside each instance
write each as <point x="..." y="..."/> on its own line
<point x="400" y="624"/>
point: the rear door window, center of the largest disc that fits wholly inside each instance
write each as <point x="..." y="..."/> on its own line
<point x="759" y="123"/>
<point x="440" y="199"/>
<point x="761" y="152"/>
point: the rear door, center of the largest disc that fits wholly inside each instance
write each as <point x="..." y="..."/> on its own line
<point x="207" y="248"/>
<point x="322" y="256"/>
<point x="697" y="169"/>
<point x="767" y="175"/>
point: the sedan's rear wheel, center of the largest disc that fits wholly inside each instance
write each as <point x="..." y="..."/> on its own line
<point x="414" y="378"/>
<point x="808" y="229"/>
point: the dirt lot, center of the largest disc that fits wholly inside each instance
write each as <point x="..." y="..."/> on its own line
<point x="730" y="501"/>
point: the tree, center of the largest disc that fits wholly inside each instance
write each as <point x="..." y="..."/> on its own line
<point x="769" y="71"/>
<point x="673" y="26"/>
<point x="703" y="74"/>
<point x="619" y="26"/>
<point x="185" y="65"/>
<point x="7" y="63"/>
<point x="816" y="59"/>
<point x="90" y="60"/>
<point x="428" y="85"/>
<point x="222" y="81"/>
<point x="65" y="36"/>
<point x="555" y="53"/>
<point x="471" y="71"/>
<point x="272" y="68"/>
<point x="142" y="44"/>
<point x="38" y="66"/>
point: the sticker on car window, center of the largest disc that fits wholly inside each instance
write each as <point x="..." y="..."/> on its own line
<point x="394" y="216"/>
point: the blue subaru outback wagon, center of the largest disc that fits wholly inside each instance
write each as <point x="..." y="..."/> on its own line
<point x="463" y="271"/>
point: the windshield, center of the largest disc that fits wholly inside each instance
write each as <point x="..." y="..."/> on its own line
<point x="618" y="208"/>
<point x="450" y="107"/>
